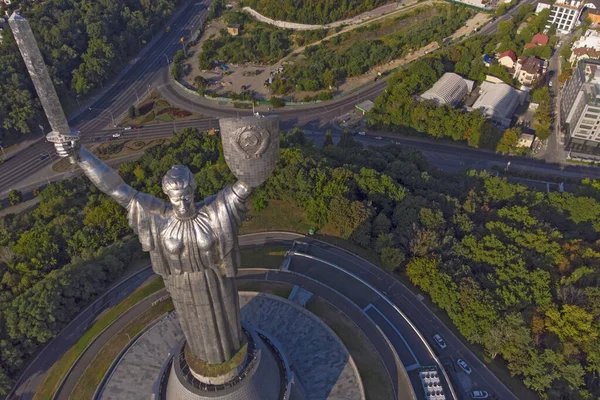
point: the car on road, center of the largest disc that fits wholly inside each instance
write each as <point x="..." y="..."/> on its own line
<point x="440" y="342"/>
<point x="116" y="135"/>
<point x="479" y="394"/>
<point x="43" y="157"/>
<point x="465" y="367"/>
<point x="362" y="133"/>
<point x="138" y="127"/>
<point x="127" y="128"/>
<point x="378" y="137"/>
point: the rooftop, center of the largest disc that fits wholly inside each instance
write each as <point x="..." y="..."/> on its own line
<point x="450" y="89"/>
<point x="508" y="53"/>
<point x="539" y="39"/>
<point x="531" y="65"/>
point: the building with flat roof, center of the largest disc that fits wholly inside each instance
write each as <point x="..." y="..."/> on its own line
<point x="566" y="14"/>
<point x="450" y="89"/>
<point x="525" y="140"/>
<point x="588" y="46"/>
<point x="580" y="108"/>
<point x="498" y="102"/>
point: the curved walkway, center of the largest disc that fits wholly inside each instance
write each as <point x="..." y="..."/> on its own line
<point x="368" y="15"/>
<point x="398" y="377"/>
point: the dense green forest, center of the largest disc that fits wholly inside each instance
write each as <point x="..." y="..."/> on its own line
<point x="326" y="65"/>
<point x="312" y="11"/>
<point x="84" y="43"/>
<point x="516" y="270"/>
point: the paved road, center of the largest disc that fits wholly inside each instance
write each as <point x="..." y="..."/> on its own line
<point x="397" y="332"/>
<point x="150" y="70"/>
<point x="400" y="382"/>
<point x="34" y="373"/>
<point x="423" y="318"/>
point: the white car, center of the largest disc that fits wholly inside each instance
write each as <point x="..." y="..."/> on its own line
<point x="479" y="394"/>
<point x="127" y="128"/>
<point x="362" y="133"/>
<point x="440" y="342"/>
<point x="378" y="137"/>
<point x="116" y="135"/>
<point x="465" y="367"/>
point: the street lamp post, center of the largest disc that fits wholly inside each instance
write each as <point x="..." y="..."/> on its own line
<point x="168" y="63"/>
<point x="2" y="148"/>
<point x="139" y="41"/>
<point x="112" y="117"/>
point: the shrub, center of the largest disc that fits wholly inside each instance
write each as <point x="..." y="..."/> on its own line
<point x="277" y="102"/>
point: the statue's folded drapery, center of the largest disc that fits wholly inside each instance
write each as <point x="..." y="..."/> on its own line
<point x="198" y="259"/>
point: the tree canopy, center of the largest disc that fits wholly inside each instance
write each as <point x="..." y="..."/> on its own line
<point x="83" y="44"/>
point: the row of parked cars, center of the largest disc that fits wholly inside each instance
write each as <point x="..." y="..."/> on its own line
<point x="475" y="394"/>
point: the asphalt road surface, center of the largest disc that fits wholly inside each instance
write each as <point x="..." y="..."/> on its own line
<point x="427" y="323"/>
<point x="403" y="338"/>
<point x="150" y="70"/>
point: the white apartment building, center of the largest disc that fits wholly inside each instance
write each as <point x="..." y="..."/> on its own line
<point x="581" y="102"/>
<point x="566" y="13"/>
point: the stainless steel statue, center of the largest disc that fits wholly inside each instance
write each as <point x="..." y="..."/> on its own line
<point x="193" y="246"/>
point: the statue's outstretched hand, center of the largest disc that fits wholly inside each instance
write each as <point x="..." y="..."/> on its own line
<point x="68" y="149"/>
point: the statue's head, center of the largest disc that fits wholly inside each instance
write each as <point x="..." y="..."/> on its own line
<point x="179" y="184"/>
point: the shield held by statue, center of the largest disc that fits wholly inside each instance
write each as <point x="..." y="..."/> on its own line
<point x="251" y="147"/>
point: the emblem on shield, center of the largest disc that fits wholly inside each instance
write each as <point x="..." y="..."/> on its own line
<point x="251" y="147"/>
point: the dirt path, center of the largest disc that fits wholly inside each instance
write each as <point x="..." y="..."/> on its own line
<point x="246" y="75"/>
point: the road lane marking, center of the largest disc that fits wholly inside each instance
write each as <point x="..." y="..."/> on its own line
<point x="371" y="306"/>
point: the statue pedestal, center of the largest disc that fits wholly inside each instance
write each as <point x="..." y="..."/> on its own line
<point x="259" y="377"/>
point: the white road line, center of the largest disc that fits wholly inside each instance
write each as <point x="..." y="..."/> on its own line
<point x="437" y="361"/>
<point x="397" y="332"/>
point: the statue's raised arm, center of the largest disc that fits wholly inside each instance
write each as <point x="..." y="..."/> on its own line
<point x="102" y="176"/>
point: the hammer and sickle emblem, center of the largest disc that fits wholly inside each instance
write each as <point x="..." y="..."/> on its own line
<point x="253" y="141"/>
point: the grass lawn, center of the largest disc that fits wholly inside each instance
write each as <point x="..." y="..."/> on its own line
<point x="59" y="369"/>
<point x="279" y="215"/>
<point x="93" y="374"/>
<point x="263" y="257"/>
<point x="372" y="370"/>
<point x="274" y="288"/>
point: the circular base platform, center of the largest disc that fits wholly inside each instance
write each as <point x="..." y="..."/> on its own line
<point x="305" y="358"/>
<point x="260" y="377"/>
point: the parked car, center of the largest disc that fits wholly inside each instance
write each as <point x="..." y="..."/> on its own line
<point x="465" y="367"/>
<point x="138" y="127"/>
<point x="116" y="135"/>
<point x="127" y="128"/>
<point x="362" y="133"/>
<point x="479" y="394"/>
<point x="440" y="342"/>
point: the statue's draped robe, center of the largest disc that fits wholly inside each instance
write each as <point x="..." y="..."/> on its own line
<point x="198" y="260"/>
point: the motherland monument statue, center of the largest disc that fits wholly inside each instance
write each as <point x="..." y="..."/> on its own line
<point x="192" y="245"/>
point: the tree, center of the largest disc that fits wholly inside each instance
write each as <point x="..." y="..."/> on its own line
<point x="328" y="139"/>
<point x="15" y="197"/>
<point x="277" y="102"/>
<point x="200" y="83"/>
<point x="572" y="324"/>
<point x="391" y="258"/>
<point x="5" y="383"/>
<point x="131" y="112"/>
<point x="509" y="140"/>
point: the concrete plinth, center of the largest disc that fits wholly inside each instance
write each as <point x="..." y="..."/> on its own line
<point x="260" y="377"/>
